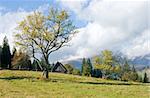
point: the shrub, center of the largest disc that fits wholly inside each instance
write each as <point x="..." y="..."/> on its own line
<point x="129" y="76"/>
<point x="96" y="73"/>
<point x="76" y="72"/>
<point x="69" y="68"/>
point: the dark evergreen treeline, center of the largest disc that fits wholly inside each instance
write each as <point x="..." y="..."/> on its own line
<point x="5" y="55"/>
<point x="15" y="59"/>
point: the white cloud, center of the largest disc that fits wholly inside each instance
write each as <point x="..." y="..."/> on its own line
<point x="43" y="8"/>
<point x="90" y="41"/>
<point x="9" y="22"/>
<point x="139" y="46"/>
<point x="75" y="5"/>
<point x="94" y="38"/>
<point x="111" y="25"/>
<point x="130" y="16"/>
<point x="115" y="25"/>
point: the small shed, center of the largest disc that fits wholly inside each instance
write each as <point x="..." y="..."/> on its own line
<point x="59" y="67"/>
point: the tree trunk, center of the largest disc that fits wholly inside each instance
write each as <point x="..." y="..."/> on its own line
<point x="45" y="73"/>
<point x="46" y="69"/>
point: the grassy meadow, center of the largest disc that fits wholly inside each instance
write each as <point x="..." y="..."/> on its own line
<point x="29" y="84"/>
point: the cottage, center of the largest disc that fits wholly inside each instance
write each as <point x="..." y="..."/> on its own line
<point x="59" y="67"/>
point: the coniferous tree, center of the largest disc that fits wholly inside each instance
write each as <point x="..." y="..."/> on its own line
<point x="6" y="55"/>
<point x="134" y="74"/>
<point x="86" y="67"/>
<point x="145" y="79"/>
<point x="126" y="67"/>
<point x="83" y="65"/>
<point x="35" y="65"/>
<point x="126" y="71"/>
<point x="133" y="69"/>
<point x="89" y="64"/>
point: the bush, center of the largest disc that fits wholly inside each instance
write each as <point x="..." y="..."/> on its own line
<point x="129" y="76"/>
<point x="69" y="68"/>
<point x="125" y="76"/>
<point x="140" y="78"/>
<point x="134" y="76"/>
<point x="76" y="72"/>
<point x="96" y="73"/>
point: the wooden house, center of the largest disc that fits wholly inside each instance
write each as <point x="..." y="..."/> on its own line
<point x="59" y="67"/>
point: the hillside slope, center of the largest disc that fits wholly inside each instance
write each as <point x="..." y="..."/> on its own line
<point x="28" y="84"/>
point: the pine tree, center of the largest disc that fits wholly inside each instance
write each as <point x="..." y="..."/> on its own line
<point x="83" y="65"/>
<point x="133" y="69"/>
<point x="126" y="67"/>
<point x="126" y="72"/>
<point x="145" y="80"/>
<point x="6" y="55"/>
<point x="89" y="64"/>
<point x="35" y="65"/>
<point x="86" y="67"/>
<point x="134" y="75"/>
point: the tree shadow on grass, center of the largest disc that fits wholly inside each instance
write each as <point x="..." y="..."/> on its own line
<point x="94" y="83"/>
<point x="15" y="78"/>
<point x="60" y="80"/>
<point x="107" y="83"/>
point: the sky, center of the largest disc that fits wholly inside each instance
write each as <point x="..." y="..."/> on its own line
<point x="118" y="25"/>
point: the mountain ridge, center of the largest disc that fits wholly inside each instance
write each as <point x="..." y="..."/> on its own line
<point x="139" y="62"/>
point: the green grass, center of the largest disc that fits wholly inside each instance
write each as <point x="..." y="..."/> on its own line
<point x="29" y="84"/>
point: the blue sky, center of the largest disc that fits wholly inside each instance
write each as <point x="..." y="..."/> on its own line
<point x="31" y="5"/>
<point x="24" y="4"/>
<point x="102" y="24"/>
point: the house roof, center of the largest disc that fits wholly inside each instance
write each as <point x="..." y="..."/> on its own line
<point x="60" y="66"/>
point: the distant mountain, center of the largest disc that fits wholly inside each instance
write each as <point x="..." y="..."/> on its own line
<point x="76" y="63"/>
<point x="139" y="62"/>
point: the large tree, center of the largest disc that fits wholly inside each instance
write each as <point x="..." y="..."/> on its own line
<point x="6" y="54"/>
<point x="45" y="33"/>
